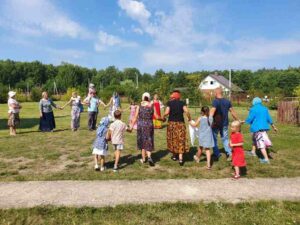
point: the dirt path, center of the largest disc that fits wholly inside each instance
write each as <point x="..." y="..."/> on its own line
<point x="110" y="193"/>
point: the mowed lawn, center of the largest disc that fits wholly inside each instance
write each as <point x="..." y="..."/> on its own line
<point x="60" y="155"/>
<point x="267" y="213"/>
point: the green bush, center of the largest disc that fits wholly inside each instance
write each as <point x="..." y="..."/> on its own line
<point x="68" y="95"/>
<point x="3" y="93"/>
<point x="36" y="94"/>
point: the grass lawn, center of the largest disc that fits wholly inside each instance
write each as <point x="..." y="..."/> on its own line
<point x="266" y="213"/>
<point x="33" y="155"/>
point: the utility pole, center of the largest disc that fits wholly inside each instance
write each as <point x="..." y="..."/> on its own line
<point x="137" y="80"/>
<point x="229" y="84"/>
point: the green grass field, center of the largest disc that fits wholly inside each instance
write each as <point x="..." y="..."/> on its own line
<point x="266" y="213"/>
<point x="33" y="155"/>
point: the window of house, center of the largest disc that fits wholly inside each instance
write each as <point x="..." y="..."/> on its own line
<point x="212" y="82"/>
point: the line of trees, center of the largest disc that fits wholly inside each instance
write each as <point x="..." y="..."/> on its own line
<point x="35" y="77"/>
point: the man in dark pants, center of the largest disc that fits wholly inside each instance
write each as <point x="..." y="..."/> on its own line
<point x="93" y="103"/>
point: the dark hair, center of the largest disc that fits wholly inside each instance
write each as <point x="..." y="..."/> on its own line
<point x="205" y="111"/>
<point x="117" y="114"/>
<point x="146" y="99"/>
<point x="176" y="91"/>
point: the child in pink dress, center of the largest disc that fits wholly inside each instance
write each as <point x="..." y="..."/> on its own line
<point x="132" y="107"/>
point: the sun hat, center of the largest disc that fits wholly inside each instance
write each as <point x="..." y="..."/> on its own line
<point x="146" y="94"/>
<point x="256" y="101"/>
<point x="11" y="94"/>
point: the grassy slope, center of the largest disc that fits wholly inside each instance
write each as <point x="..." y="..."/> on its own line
<point x="267" y="213"/>
<point x="65" y="155"/>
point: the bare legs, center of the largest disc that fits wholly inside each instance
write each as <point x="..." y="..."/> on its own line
<point x="12" y="131"/>
<point x="208" y="156"/>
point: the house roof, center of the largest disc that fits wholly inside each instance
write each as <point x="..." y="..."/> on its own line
<point x="222" y="80"/>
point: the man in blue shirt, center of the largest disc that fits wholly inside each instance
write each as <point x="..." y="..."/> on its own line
<point x="93" y="102"/>
<point x="219" y="111"/>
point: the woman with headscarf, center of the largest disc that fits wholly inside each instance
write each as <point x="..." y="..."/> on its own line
<point x="260" y="120"/>
<point x="114" y="103"/>
<point x="13" y="112"/>
<point x="176" y="130"/>
<point x="145" y="128"/>
<point x="47" y="121"/>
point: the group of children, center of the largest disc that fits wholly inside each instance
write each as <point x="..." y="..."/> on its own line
<point x="115" y="131"/>
<point x="206" y="141"/>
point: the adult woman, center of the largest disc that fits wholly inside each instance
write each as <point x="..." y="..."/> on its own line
<point x="47" y="122"/>
<point x="176" y="130"/>
<point x="76" y="105"/>
<point x="157" y="104"/>
<point x="114" y="103"/>
<point x="13" y="112"/>
<point x="145" y="128"/>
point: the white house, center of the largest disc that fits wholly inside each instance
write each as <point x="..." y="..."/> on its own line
<point x="213" y="81"/>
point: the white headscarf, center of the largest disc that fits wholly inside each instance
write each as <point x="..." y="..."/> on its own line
<point x="11" y="94"/>
<point x="146" y="94"/>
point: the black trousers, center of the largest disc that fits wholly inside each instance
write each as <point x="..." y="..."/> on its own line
<point x="92" y="122"/>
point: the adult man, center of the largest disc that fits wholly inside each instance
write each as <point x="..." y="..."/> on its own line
<point x="219" y="111"/>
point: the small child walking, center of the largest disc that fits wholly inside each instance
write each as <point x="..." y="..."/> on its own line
<point x="100" y="146"/>
<point x="236" y="144"/>
<point x="206" y="141"/>
<point x="133" y="108"/>
<point x="116" y="133"/>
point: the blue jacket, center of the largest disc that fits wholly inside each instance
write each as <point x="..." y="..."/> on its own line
<point x="259" y="118"/>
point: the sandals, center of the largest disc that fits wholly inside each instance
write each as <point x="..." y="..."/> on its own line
<point x="236" y="177"/>
<point x="208" y="167"/>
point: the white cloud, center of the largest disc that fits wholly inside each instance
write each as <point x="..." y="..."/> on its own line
<point x="135" y="9"/>
<point x="250" y="53"/>
<point x="105" y="40"/>
<point x="39" y="17"/>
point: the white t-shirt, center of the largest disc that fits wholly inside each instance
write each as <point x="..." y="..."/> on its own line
<point x="117" y="129"/>
<point x="10" y="102"/>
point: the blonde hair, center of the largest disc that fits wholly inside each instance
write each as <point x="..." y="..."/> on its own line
<point x="237" y="124"/>
<point x="44" y="93"/>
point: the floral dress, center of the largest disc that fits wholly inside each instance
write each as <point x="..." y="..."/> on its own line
<point x="145" y="129"/>
<point x="75" y="113"/>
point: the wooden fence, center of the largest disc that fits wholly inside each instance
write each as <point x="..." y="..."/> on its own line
<point x="289" y="111"/>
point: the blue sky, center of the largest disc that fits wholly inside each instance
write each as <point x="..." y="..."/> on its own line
<point x="173" y="35"/>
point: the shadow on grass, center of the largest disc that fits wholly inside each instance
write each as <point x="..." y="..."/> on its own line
<point x="24" y="124"/>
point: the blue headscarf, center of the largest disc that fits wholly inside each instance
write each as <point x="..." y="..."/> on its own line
<point x="256" y="101"/>
<point x="103" y="126"/>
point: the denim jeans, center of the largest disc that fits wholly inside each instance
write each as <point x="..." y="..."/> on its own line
<point x="224" y="136"/>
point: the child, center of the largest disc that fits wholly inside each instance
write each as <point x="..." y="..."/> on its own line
<point x="100" y="145"/>
<point x="116" y="134"/>
<point x="260" y="120"/>
<point x="236" y="144"/>
<point x="206" y="141"/>
<point x="133" y="107"/>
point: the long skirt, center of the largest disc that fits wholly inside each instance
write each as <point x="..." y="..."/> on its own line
<point x="145" y="135"/>
<point x="13" y="120"/>
<point x="75" y="118"/>
<point x="176" y="138"/>
<point x="47" y="122"/>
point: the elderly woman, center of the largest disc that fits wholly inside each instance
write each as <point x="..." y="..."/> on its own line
<point x="47" y="122"/>
<point x="176" y="130"/>
<point x="145" y="128"/>
<point x="76" y="107"/>
<point x="13" y="112"/>
<point x="260" y="120"/>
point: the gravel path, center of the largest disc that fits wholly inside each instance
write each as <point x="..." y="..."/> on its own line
<point x="111" y="193"/>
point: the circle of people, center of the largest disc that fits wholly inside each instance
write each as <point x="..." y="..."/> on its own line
<point x="147" y="116"/>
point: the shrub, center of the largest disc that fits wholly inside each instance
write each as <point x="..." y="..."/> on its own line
<point x="36" y="94"/>
<point x="3" y="93"/>
<point x="68" y="95"/>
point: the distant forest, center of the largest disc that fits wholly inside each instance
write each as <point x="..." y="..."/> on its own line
<point x="36" y="77"/>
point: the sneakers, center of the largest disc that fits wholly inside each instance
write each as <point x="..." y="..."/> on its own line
<point x="197" y="159"/>
<point x="251" y="154"/>
<point x="97" y="168"/>
<point x="151" y="163"/>
<point x="235" y="177"/>
<point x="174" y="158"/>
<point x="102" y="168"/>
<point x="229" y="158"/>
<point x="264" y="161"/>
<point x="142" y="161"/>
